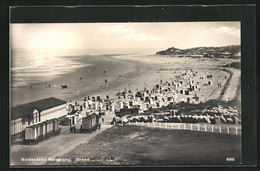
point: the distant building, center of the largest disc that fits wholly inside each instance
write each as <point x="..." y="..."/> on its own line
<point x="225" y="54"/>
<point x="205" y="54"/>
<point x="34" y="112"/>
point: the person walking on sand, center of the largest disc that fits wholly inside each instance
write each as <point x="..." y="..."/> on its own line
<point x="106" y="83"/>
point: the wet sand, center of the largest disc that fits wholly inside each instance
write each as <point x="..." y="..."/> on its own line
<point x="120" y="74"/>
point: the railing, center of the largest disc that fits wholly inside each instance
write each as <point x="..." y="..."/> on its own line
<point x="224" y="129"/>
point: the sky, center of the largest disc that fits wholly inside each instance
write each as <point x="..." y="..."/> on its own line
<point x="70" y="37"/>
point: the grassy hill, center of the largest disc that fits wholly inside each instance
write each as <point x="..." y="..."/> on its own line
<point x="231" y="51"/>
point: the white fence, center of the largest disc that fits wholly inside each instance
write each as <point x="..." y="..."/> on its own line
<point x="224" y="129"/>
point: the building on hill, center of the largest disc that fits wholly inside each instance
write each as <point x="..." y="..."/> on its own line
<point x="226" y="55"/>
<point x="34" y="112"/>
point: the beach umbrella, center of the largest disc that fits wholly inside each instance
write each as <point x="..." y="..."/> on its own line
<point x="185" y="119"/>
<point x="166" y="118"/>
<point x="199" y="118"/>
<point x="124" y="120"/>
<point x="191" y="119"/>
<point x="195" y="118"/>
<point x="175" y="119"/>
<point x="226" y="116"/>
<point x="212" y="119"/>
<point x="229" y="120"/>
<point x="217" y="120"/>
<point x="207" y="120"/>
<point x="182" y="118"/>
<point x="223" y="119"/>
<point x="235" y="119"/>
<point x="170" y="118"/>
<point x="203" y="118"/>
<point x="238" y="120"/>
<point x="134" y="119"/>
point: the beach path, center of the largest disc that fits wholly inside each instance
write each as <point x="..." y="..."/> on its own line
<point x="233" y="84"/>
<point x="54" y="147"/>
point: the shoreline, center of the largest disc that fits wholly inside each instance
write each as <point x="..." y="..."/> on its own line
<point x="130" y="71"/>
<point x="92" y="82"/>
<point x="134" y="71"/>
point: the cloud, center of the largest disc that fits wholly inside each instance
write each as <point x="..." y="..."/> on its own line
<point x="128" y="33"/>
<point x="116" y="29"/>
<point x="142" y="37"/>
<point x="224" y="30"/>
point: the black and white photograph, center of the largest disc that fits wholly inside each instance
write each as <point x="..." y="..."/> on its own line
<point x="125" y="93"/>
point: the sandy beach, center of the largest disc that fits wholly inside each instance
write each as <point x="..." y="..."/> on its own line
<point x="87" y="81"/>
<point x="120" y="71"/>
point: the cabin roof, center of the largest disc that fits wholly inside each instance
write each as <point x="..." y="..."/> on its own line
<point x="40" y="105"/>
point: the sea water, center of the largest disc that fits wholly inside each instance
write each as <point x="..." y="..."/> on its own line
<point x="29" y="68"/>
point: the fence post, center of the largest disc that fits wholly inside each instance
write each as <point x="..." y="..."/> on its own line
<point x="236" y="130"/>
<point x="190" y="126"/>
<point x="114" y="122"/>
<point x="212" y="129"/>
<point x="205" y="128"/>
<point x="184" y="126"/>
<point x="228" y="130"/>
<point x="160" y="124"/>
<point x="198" y="127"/>
<point x="154" y="124"/>
<point x="219" y="129"/>
<point x="129" y="123"/>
